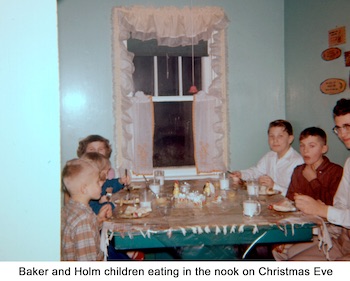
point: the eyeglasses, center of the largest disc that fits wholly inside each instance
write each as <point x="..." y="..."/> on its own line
<point x="345" y="127"/>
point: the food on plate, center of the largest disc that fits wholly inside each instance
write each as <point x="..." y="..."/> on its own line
<point x="122" y="202"/>
<point x="134" y="212"/>
<point x="285" y="205"/>
<point x="263" y="190"/>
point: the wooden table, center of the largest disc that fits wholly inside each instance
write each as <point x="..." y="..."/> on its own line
<point x="215" y="226"/>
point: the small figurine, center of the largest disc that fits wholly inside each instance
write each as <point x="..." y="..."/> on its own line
<point x="176" y="190"/>
<point x="207" y="189"/>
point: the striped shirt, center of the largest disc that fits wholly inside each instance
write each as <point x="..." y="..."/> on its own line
<point x="80" y="233"/>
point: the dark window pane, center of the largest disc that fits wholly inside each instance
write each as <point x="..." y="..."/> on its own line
<point x="151" y="48"/>
<point x="173" y="136"/>
<point x="187" y="73"/>
<point x="143" y="75"/>
<point x="168" y="76"/>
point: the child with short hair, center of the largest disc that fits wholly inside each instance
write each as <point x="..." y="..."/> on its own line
<point x="275" y="168"/>
<point x="87" y="149"/>
<point x="101" y="145"/>
<point x="317" y="177"/>
<point x="80" y="226"/>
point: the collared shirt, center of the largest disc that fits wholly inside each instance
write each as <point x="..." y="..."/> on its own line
<point x="323" y="187"/>
<point x="80" y="233"/>
<point x="339" y="213"/>
<point x="280" y="170"/>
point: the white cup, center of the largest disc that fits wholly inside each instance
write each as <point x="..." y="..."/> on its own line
<point x="224" y="182"/>
<point x="252" y="188"/>
<point x="155" y="186"/>
<point x="251" y="208"/>
<point x="159" y="174"/>
<point x="146" y="199"/>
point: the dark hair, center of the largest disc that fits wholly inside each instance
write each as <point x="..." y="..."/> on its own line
<point x="313" y="131"/>
<point x="282" y="123"/>
<point x="92" y="138"/>
<point x="342" y="107"/>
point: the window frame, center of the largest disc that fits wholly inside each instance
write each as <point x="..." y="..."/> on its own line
<point x="211" y="111"/>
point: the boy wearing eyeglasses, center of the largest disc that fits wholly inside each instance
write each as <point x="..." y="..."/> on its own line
<point x="338" y="214"/>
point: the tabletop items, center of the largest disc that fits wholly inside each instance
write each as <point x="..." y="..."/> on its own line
<point x="199" y="213"/>
<point x="250" y="200"/>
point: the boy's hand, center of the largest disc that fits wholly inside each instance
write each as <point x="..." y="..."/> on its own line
<point x="309" y="173"/>
<point x="236" y="176"/>
<point x="125" y="180"/>
<point x="267" y="181"/>
<point x="310" y="206"/>
<point x="105" y="212"/>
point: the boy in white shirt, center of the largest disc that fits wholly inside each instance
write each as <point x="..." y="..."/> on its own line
<point x="275" y="168"/>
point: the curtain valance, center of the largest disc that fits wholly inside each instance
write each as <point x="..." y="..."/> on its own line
<point x="171" y="26"/>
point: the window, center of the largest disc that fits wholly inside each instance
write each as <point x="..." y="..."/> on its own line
<point x="164" y="87"/>
<point x="167" y="72"/>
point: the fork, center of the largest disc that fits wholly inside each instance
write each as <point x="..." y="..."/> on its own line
<point x="127" y="186"/>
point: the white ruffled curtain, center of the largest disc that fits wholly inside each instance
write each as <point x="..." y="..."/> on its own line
<point x="171" y="26"/>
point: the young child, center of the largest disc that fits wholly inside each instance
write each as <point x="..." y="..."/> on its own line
<point x="96" y="143"/>
<point x="275" y="168"/>
<point x="87" y="149"/>
<point x="338" y="214"/>
<point x="99" y="144"/>
<point x="80" y="226"/>
<point x="318" y="177"/>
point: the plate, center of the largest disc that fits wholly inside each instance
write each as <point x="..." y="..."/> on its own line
<point x="274" y="192"/>
<point x="284" y="206"/>
<point x="131" y="216"/>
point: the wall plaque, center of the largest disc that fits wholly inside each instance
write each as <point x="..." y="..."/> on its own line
<point x="336" y="36"/>
<point x="331" y="54"/>
<point x="333" y="86"/>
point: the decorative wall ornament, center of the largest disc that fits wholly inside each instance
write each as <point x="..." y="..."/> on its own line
<point x="337" y="36"/>
<point x="347" y="58"/>
<point x="333" y="86"/>
<point x="331" y="54"/>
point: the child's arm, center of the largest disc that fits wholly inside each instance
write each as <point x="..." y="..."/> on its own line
<point x="115" y="184"/>
<point x="104" y="213"/>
